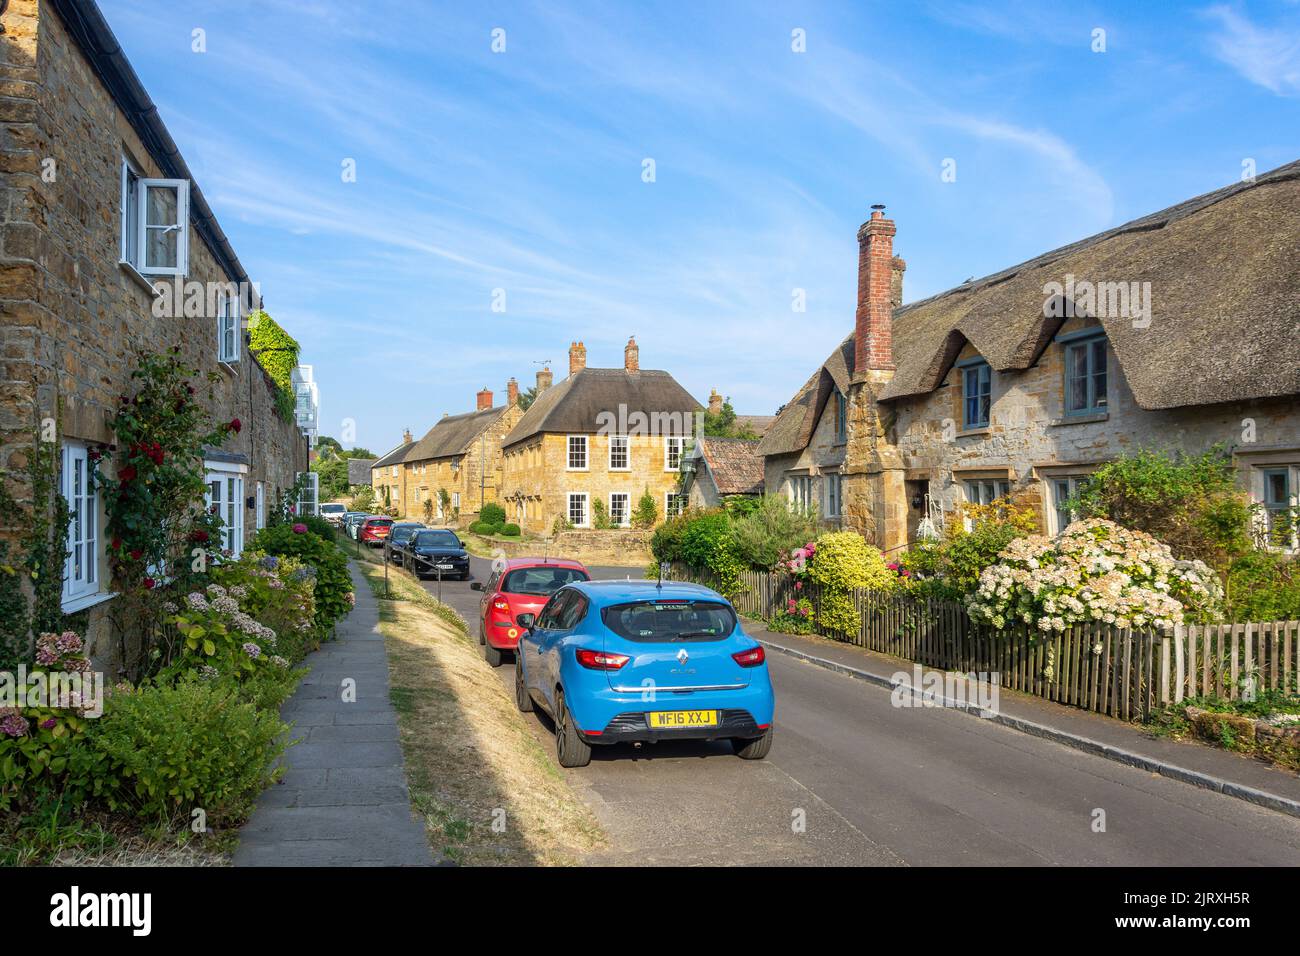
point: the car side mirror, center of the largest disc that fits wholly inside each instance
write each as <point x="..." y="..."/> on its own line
<point x="526" y="621"/>
<point x="476" y="586"/>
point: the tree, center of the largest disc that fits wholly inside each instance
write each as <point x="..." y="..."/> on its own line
<point x="527" y="397"/>
<point x="723" y="424"/>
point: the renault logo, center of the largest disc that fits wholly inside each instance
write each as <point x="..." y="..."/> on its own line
<point x="682" y="656"/>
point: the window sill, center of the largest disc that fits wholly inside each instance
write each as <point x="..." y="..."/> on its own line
<point x="973" y="432"/>
<point x="1088" y="419"/>
<point x="137" y="277"/>
<point x="85" y="601"/>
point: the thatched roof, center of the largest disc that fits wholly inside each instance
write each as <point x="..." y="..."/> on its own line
<point x="583" y="401"/>
<point x="359" y="470"/>
<point x="735" y="465"/>
<point x="758" y="424"/>
<point x="394" y="457"/>
<point x="1224" y="274"/>
<point x="454" y="434"/>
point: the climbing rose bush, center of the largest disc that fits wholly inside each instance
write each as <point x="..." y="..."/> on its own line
<point x="1095" y="570"/>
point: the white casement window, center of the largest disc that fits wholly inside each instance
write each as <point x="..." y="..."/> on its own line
<point x="577" y="458"/>
<point x="260" y="505"/>
<point x="674" y="446"/>
<point x="618" y="453"/>
<point x="801" y="490"/>
<point x="228" y="329"/>
<point x="225" y="497"/>
<point x="309" y="500"/>
<point x="832" y="487"/>
<point x="155" y="223"/>
<point x="393" y="471"/>
<point x="1277" y="491"/>
<point x="577" y="510"/>
<point x="985" y="492"/>
<point x="674" y="504"/>
<point x="455" y="501"/>
<point x="620" y="503"/>
<point x="81" y="572"/>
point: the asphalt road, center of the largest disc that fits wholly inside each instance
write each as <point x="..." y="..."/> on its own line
<point x="853" y="780"/>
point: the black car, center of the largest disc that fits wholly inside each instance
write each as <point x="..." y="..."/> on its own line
<point x="398" y="536"/>
<point x="431" y="551"/>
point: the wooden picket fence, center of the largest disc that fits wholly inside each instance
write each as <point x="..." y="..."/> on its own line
<point x="1121" y="672"/>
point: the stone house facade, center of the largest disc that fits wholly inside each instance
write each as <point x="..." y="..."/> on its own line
<point x="602" y="434"/>
<point x="1176" y="331"/>
<point x="387" y="478"/>
<point x="717" y="469"/>
<point x="104" y="235"/>
<point x="460" y="455"/>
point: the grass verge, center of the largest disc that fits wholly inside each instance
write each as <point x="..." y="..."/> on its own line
<point x="488" y="792"/>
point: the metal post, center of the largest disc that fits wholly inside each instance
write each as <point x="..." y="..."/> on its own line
<point x="439" y="570"/>
<point x="387" y="593"/>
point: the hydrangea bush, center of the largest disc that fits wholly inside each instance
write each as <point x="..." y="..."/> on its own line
<point x="1095" y="570"/>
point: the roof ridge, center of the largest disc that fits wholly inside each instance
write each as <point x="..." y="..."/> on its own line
<point x="1151" y="221"/>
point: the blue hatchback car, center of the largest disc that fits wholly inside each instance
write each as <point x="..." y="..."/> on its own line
<point x="620" y="661"/>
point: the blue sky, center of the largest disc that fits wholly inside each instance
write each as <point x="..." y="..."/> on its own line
<point x="522" y="170"/>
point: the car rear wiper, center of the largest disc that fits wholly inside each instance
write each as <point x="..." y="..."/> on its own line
<point x="687" y="635"/>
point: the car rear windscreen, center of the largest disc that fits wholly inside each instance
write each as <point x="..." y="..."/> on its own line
<point x="381" y="522"/>
<point x="540" y="581"/>
<point x="436" y="539"/>
<point x="669" y="621"/>
<point x="332" y="509"/>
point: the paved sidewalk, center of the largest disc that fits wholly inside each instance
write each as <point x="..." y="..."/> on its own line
<point x="343" y="800"/>
<point x="1236" y="774"/>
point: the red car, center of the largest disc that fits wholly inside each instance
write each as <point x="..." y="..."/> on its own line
<point x="521" y="586"/>
<point x="373" y="531"/>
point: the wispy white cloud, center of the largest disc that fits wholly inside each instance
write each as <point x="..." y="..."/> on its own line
<point x="1266" y="56"/>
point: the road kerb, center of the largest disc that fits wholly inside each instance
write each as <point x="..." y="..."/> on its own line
<point x="1205" y="781"/>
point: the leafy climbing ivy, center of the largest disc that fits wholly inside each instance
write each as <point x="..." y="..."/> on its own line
<point x="277" y="352"/>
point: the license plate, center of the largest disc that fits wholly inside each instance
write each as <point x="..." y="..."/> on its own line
<point x="443" y="567"/>
<point x="670" y="719"/>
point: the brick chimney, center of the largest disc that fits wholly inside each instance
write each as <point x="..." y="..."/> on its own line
<point x="512" y="392"/>
<point x="544" y="379"/>
<point x="631" y="356"/>
<point x="407" y="437"/>
<point x="484" y="398"/>
<point x="577" y="357"/>
<point x="873" y="331"/>
<point x="715" y="402"/>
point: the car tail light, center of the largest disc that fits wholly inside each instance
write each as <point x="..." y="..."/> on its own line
<point x="501" y="605"/>
<point x="750" y="658"/>
<point x="600" y="661"/>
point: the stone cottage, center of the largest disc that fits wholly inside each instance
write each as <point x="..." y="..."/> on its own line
<point x="1177" y="330"/>
<point x="461" y="455"/>
<point x="110" y="249"/>
<point x="386" y="475"/>
<point x="602" y="434"/>
<point x="715" y="469"/>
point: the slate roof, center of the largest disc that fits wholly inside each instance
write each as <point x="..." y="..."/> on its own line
<point x="454" y="434"/>
<point x="359" y="470"/>
<point x="1224" y="274"/>
<point x="394" y="457"/>
<point x="581" y="402"/>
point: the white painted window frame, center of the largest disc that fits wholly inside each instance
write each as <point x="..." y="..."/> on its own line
<point x="260" y="506"/>
<point x="84" y="534"/>
<point x="681" y="451"/>
<point x="627" y="508"/>
<point x="231" y="477"/>
<point x="626" y="444"/>
<point x="229" y="339"/>
<point x="182" y="187"/>
<point x="568" y="452"/>
<point x="586" y="508"/>
<point x="668" y="497"/>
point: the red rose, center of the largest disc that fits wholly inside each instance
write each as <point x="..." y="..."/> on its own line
<point x="127" y="473"/>
<point x="149" y="583"/>
<point x="136" y="554"/>
<point x="117" y="543"/>
<point x="199" y="536"/>
<point x="235" y="425"/>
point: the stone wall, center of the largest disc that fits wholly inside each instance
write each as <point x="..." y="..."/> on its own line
<point x="74" y="318"/>
<point x="621" y="548"/>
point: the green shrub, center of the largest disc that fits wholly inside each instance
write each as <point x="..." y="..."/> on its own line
<point x="646" y="513"/>
<point x="492" y="513"/>
<point x="333" y="582"/>
<point x="511" y="530"/>
<point x="707" y="544"/>
<point x="769" y="527"/>
<point x="192" y="745"/>
<point x="1189" y="502"/>
<point x="600" y="515"/>
<point x="1263" y="586"/>
<point x="950" y="569"/>
<point x="282" y="597"/>
<point x="666" y="542"/>
<point x="842" y="561"/>
<point x="319" y="527"/>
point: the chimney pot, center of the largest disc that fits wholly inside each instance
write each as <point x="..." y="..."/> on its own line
<point x="631" y="356"/>
<point x="544" y="379"/>
<point x="407" y="437"/>
<point x="879" y="284"/>
<point x="577" y="358"/>
<point x="484" y="398"/>
<point x="512" y="391"/>
<point x="715" y="402"/>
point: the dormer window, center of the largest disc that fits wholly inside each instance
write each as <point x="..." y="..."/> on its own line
<point x="976" y="394"/>
<point x="841" y="417"/>
<point x="1085" y="375"/>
